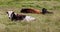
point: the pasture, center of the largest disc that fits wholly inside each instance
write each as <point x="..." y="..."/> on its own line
<point x="43" y="23"/>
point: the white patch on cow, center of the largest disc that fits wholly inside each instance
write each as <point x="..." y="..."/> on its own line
<point x="29" y="18"/>
<point x="9" y="13"/>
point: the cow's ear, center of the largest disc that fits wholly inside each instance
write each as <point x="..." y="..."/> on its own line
<point x="7" y="12"/>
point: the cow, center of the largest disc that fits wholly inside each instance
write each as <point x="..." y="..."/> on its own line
<point x="30" y="10"/>
<point x="14" y="16"/>
<point x="36" y="11"/>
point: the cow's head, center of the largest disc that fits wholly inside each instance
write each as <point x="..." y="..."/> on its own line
<point x="10" y="14"/>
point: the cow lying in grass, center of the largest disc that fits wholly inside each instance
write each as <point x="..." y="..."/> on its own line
<point x="30" y="10"/>
<point x="36" y="11"/>
<point x="14" y="16"/>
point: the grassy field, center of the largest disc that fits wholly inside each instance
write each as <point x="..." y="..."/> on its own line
<point x="43" y="23"/>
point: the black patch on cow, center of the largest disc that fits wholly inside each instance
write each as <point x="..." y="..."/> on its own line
<point x="44" y="11"/>
<point x="17" y="17"/>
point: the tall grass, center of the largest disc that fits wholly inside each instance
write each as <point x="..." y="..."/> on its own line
<point x="43" y="23"/>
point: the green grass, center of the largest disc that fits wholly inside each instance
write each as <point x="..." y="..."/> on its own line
<point x="43" y="23"/>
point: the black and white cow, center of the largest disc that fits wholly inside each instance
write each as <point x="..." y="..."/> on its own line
<point x="14" y="16"/>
